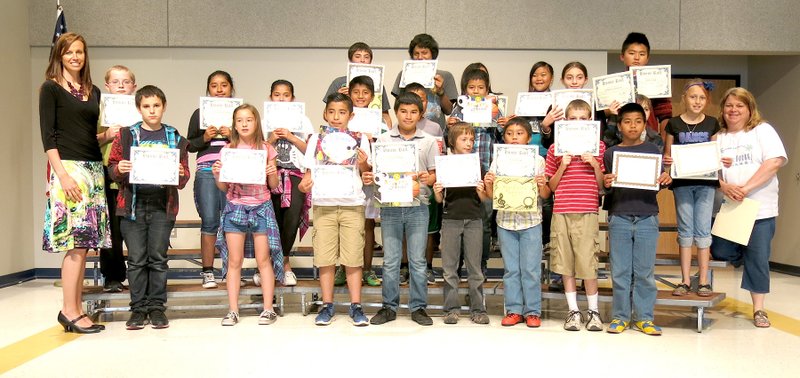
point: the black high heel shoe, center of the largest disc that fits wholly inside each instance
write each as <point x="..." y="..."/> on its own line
<point x="70" y="326"/>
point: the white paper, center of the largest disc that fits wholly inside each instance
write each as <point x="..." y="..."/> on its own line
<point x="217" y="111"/>
<point x="653" y="81"/>
<point x="696" y="159"/>
<point x="713" y="176"/>
<point x="395" y="189"/>
<point x="287" y="115"/>
<point x="636" y="170"/>
<point x="366" y="120"/>
<point x="154" y="166"/>
<point x="333" y="181"/>
<point x="418" y="71"/>
<point x="533" y="104"/>
<point x="375" y="72"/>
<point x="476" y="110"/>
<point x="735" y="220"/>
<point x="395" y="157"/>
<point x="243" y="166"/>
<point x="515" y="160"/>
<point x="618" y="86"/>
<point x="563" y="97"/>
<point x="459" y="170"/>
<point x="577" y="138"/>
<point x="118" y="109"/>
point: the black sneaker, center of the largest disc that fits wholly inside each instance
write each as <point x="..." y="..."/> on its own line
<point x="111" y="286"/>
<point x="384" y="315"/>
<point x="137" y="320"/>
<point x="158" y="319"/>
<point x="421" y="317"/>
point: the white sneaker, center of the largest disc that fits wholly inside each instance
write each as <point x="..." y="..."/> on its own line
<point x="208" y="280"/>
<point x="231" y="319"/>
<point x="289" y="279"/>
<point x="267" y="317"/>
<point x="257" y="279"/>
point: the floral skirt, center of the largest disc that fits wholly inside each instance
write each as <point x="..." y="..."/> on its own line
<point x="84" y="224"/>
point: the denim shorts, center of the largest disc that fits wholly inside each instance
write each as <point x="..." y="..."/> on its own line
<point x="693" y="207"/>
<point x="256" y="224"/>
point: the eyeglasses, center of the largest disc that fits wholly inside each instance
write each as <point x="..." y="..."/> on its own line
<point x="124" y="82"/>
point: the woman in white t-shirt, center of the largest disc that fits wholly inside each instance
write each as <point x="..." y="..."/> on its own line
<point x="752" y="153"/>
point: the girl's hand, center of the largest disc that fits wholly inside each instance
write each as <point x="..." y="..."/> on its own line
<point x="210" y="133"/>
<point x="368" y="178"/>
<point x="481" y="188"/>
<point x="344" y="90"/>
<point x="565" y="160"/>
<point x="489" y="178"/>
<point x="438" y="188"/>
<point x="667" y="160"/>
<point x="608" y="179"/>
<point x="541" y="180"/>
<point x="124" y="166"/>
<point x="555" y="114"/>
<point x="71" y="189"/>
<point x="181" y="173"/>
<point x="281" y="133"/>
<point x="271" y="170"/>
<point x="614" y="108"/>
<point x="452" y="120"/>
<point x="664" y="179"/>
<point x="589" y="159"/>
<point x="727" y="162"/>
<point x="502" y="121"/>
<point x="216" y="168"/>
<point x="225" y="131"/>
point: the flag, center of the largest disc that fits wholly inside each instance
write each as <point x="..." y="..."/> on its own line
<point x="61" y="28"/>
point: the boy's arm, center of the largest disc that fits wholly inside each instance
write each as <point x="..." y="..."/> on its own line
<point x="438" y="192"/>
<point x="541" y="184"/>
<point x="488" y="182"/>
<point x="555" y="179"/>
<point x="481" y="190"/>
<point x="183" y="179"/>
<point x="306" y="183"/>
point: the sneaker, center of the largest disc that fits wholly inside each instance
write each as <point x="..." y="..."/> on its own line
<point x="137" y="321"/>
<point x="208" y="280"/>
<point x="594" y="323"/>
<point x="403" y="276"/>
<point x="370" y="278"/>
<point x="111" y="286"/>
<point x="573" y="321"/>
<point x="231" y="319"/>
<point x="511" y="319"/>
<point x="256" y="279"/>
<point x="267" y="317"/>
<point x="681" y="290"/>
<point x="421" y="318"/>
<point x="451" y="317"/>
<point x="704" y="290"/>
<point x="429" y="275"/>
<point x="383" y="316"/>
<point x="289" y="279"/>
<point x="357" y="315"/>
<point x="158" y="319"/>
<point x="339" y="278"/>
<point x="533" y="321"/>
<point x="557" y="284"/>
<point x="479" y="317"/>
<point x="617" y="326"/>
<point x="325" y="315"/>
<point x="648" y="328"/>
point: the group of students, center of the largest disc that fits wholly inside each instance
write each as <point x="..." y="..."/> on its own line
<point x="262" y="221"/>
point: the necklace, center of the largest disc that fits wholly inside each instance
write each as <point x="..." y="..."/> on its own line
<point x="75" y="92"/>
<point x="691" y="127"/>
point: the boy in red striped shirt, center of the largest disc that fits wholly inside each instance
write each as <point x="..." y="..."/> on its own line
<point x="574" y="235"/>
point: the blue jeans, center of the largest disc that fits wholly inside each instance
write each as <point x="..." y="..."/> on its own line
<point x="522" y="258"/>
<point x="413" y="221"/>
<point x="468" y="232"/>
<point x="147" y="239"/>
<point x="754" y="255"/>
<point x="209" y="201"/>
<point x="633" y="253"/>
<point x="693" y="206"/>
<point x="486" y="206"/>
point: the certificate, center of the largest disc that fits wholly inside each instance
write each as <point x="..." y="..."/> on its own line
<point x="418" y="71"/>
<point x="735" y="220"/>
<point x="577" y="138"/>
<point x="375" y="72"/>
<point x="154" y="166"/>
<point x="395" y="157"/>
<point x="636" y="170"/>
<point x="563" y="97"/>
<point x="696" y="159"/>
<point x="395" y="189"/>
<point x="518" y="160"/>
<point x="243" y="166"/>
<point x="116" y="109"/>
<point x="515" y="194"/>
<point x="217" y="111"/>
<point x="459" y="170"/>
<point x="287" y="115"/>
<point x="366" y="120"/>
<point x="533" y="104"/>
<point x="653" y="81"/>
<point x="334" y="181"/>
<point x="613" y="87"/>
<point x="476" y="110"/>
<point x="712" y="176"/>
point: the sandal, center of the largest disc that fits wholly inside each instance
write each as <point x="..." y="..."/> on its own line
<point x="681" y="290"/>
<point x="760" y="319"/>
<point x="704" y="290"/>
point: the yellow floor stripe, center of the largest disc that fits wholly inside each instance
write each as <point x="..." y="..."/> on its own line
<point x="779" y="321"/>
<point x="33" y="346"/>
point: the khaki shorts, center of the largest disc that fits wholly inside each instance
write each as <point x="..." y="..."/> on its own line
<point x="574" y="243"/>
<point x="338" y="235"/>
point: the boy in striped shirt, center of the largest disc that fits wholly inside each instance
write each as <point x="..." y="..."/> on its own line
<point x="574" y="235"/>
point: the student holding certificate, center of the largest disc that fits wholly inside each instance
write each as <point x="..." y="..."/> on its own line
<point x="636" y="52"/>
<point x="76" y="219"/>
<point x="633" y="233"/>
<point x="359" y="52"/>
<point x="539" y="80"/>
<point x="694" y="199"/>
<point x="249" y="211"/>
<point x="148" y="211"/>
<point x="752" y="153"/>
<point x="208" y="198"/>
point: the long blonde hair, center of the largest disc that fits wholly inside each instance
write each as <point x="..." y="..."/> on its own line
<point x="748" y="99"/>
<point x="258" y="142"/>
<point x="55" y="68"/>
